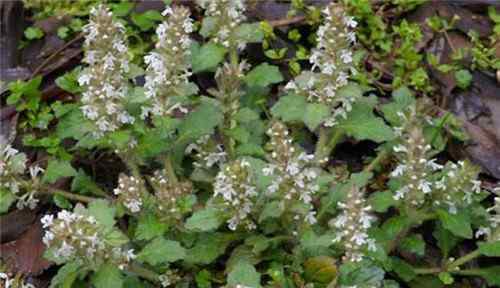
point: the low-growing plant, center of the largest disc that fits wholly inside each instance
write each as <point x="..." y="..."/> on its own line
<point x="221" y="187"/>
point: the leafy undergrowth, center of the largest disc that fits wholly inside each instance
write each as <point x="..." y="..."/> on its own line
<point x="214" y="145"/>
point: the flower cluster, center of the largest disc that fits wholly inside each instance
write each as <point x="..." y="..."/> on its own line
<point x="7" y="281"/>
<point x="422" y="178"/>
<point x="105" y="80"/>
<point x="169" y="194"/>
<point x="492" y="231"/>
<point x="226" y="16"/>
<point x="76" y="236"/>
<point x="208" y="153"/>
<point x="169" y="278"/>
<point x="234" y="185"/>
<point x="293" y="179"/>
<point x="332" y="60"/>
<point x="168" y="65"/>
<point x="130" y="192"/>
<point x="352" y="226"/>
<point x="12" y="167"/>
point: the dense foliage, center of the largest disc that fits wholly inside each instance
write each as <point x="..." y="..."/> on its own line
<point x="235" y="183"/>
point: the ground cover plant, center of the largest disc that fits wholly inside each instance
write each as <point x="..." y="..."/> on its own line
<point x="209" y="144"/>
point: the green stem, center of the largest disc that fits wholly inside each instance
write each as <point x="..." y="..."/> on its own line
<point x="468" y="272"/>
<point x="464" y="259"/>
<point x="70" y="196"/>
<point x="381" y="156"/>
<point x="428" y="270"/>
<point x="327" y="143"/>
<point x="143" y="273"/>
<point x="170" y="170"/>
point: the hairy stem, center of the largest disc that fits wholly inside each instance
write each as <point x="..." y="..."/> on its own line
<point x="68" y="195"/>
<point x="464" y="259"/>
<point x="327" y="143"/>
<point x="170" y="170"/>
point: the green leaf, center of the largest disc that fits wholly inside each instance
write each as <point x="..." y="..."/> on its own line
<point x="161" y="251"/>
<point x="146" y="20"/>
<point x="6" y="199"/>
<point x="108" y="276"/>
<point x="244" y="273"/>
<point x="290" y="108"/>
<point x="69" y="81"/>
<point x="149" y="227"/>
<point x="492" y="275"/>
<point x="446" y="278"/>
<point x="206" y="57"/>
<point x="320" y="269"/>
<point x="207" y="219"/>
<point x="403" y="269"/>
<point x="208" y="247"/>
<point x="82" y="183"/>
<point x="458" y="224"/>
<point x="463" y="78"/>
<point x="57" y="169"/>
<point x="263" y="75"/>
<point x="61" y="202"/>
<point x="63" y="32"/>
<point x="249" y="33"/>
<point x="381" y="201"/>
<point x="201" y="121"/>
<point x="33" y="33"/>
<point x="361" y="274"/>
<point x="362" y="124"/>
<point x="66" y="275"/>
<point x="491" y="249"/>
<point x="272" y="209"/>
<point x="402" y="98"/>
<point x="73" y="125"/>
<point x="207" y="26"/>
<point x="122" y="9"/>
<point x="445" y="239"/>
<point x="413" y="244"/>
<point x="315" y="114"/>
<point x="103" y="212"/>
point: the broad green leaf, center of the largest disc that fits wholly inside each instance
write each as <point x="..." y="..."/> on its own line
<point x="361" y="274"/>
<point x="208" y="247"/>
<point x="201" y="121"/>
<point x="161" y="251"/>
<point x="362" y="124"/>
<point x="463" y="78"/>
<point x="321" y="269"/>
<point x="381" y="201"/>
<point x="208" y="26"/>
<point x="491" y="249"/>
<point x="272" y="209"/>
<point x="69" y="81"/>
<point x="413" y="244"/>
<point x="245" y="274"/>
<point x="315" y="114"/>
<point x="82" y="183"/>
<point x="402" y="98"/>
<point x="492" y="275"/>
<point x="6" y="199"/>
<point x="108" y="276"/>
<point x="290" y="108"/>
<point x="445" y="239"/>
<point x="403" y="269"/>
<point x="149" y="227"/>
<point x="73" y="125"/>
<point x="66" y="275"/>
<point x="263" y="75"/>
<point x="249" y="33"/>
<point x="147" y="20"/>
<point x="207" y="219"/>
<point x="458" y="224"/>
<point x="206" y="57"/>
<point x="103" y="212"/>
<point x="57" y="169"/>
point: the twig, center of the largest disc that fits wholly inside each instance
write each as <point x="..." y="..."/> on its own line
<point x="69" y="195"/>
<point x="287" y="21"/>
<point x="51" y="57"/>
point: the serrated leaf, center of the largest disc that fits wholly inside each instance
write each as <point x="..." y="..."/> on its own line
<point x="381" y="201"/>
<point x="208" y="247"/>
<point x="82" y="183"/>
<point x="73" y="125"/>
<point x="321" y="269"/>
<point x="33" y="33"/>
<point x="66" y="275"/>
<point x="57" y="169"/>
<point x="245" y="274"/>
<point x="458" y="224"/>
<point x="413" y="244"/>
<point x="161" y="250"/>
<point x="6" y="199"/>
<point x="201" y="121"/>
<point x="315" y="114"/>
<point x="145" y="21"/>
<point x="249" y="33"/>
<point x="207" y="219"/>
<point x="362" y="124"/>
<point x="108" y="276"/>
<point x="363" y="274"/>
<point x="403" y="269"/>
<point x="445" y="239"/>
<point x="272" y="209"/>
<point x="149" y="227"/>
<point x="491" y="249"/>
<point x="103" y="212"/>
<point x="401" y="99"/>
<point x="206" y="57"/>
<point x="263" y="75"/>
<point x="290" y="108"/>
